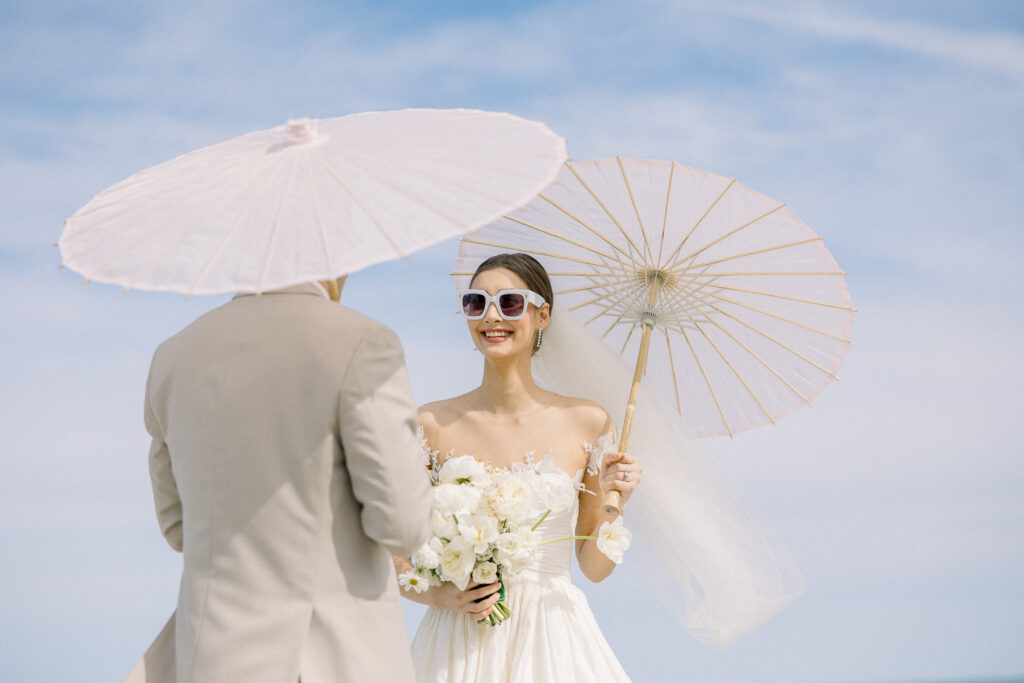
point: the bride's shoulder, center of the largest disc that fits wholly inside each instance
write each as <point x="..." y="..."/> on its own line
<point x="434" y="417"/>
<point x="592" y="418"/>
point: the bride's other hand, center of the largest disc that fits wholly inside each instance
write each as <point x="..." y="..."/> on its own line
<point x="450" y="597"/>
<point x="620" y="472"/>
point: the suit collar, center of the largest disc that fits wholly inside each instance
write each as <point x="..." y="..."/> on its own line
<point x="311" y="288"/>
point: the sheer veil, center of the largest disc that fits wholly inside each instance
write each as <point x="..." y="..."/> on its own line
<point x="720" y="569"/>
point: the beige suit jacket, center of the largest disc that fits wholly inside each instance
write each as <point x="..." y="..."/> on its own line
<point x="285" y="466"/>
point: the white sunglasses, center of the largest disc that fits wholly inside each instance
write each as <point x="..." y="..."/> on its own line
<point x="511" y="303"/>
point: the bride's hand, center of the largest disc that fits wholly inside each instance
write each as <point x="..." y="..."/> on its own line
<point x="620" y="472"/>
<point x="450" y="597"/>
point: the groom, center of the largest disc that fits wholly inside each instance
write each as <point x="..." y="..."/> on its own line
<point x="285" y="466"/>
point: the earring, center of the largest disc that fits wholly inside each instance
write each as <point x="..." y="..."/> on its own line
<point x="536" y="346"/>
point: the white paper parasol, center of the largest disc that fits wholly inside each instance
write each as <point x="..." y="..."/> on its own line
<point x="732" y="306"/>
<point x="310" y="200"/>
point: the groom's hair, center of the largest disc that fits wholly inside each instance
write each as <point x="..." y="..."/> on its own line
<point x="526" y="268"/>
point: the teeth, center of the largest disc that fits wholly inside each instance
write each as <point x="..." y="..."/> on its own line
<point x="496" y="333"/>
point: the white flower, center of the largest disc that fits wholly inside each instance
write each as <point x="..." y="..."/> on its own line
<point x="479" y="530"/>
<point x="613" y="540"/>
<point x="464" y="469"/>
<point x="443" y="525"/>
<point x="455" y="499"/>
<point x="485" y="572"/>
<point x="511" y="498"/>
<point x="429" y="554"/>
<point x="457" y="561"/>
<point x="515" y="549"/>
<point x="412" y="580"/>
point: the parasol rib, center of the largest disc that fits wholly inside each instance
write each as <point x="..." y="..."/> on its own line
<point x="759" y="359"/>
<point x="143" y="181"/>
<point x="601" y="285"/>
<point x="735" y="372"/>
<point x="436" y="160"/>
<point x="738" y="273"/>
<point x="664" y="220"/>
<point x="366" y="210"/>
<point x="277" y="225"/>
<point x="620" y="299"/>
<point x="604" y="208"/>
<point x="629" y="336"/>
<point x="146" y="203"/>
<point x="672" y="365"/>
<point x="755" y="252"/>
<point x="732" y="232"/>
<point x="700" y="220"/>
<point x="563" y="238"/>
<point x="568" y="213"/>
<point x="539" y="253"/>
<point x="435" y="179"/>
<point x="782" y="318"/>
<point x="707" y="380"/>
<point x="636" y="210"/>
<point x="552" y="273"/>
<point x="320" y="222"/>
<point x="227" y="237"/>
<point x="840" y="307"/>
<point x="773" y="339"/>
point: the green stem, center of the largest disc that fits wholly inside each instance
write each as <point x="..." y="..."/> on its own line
<point x="568" y="538"/>
<point x="542" y="518"/>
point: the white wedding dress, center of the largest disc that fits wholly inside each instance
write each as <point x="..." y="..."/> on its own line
<point x="551" y="636"/>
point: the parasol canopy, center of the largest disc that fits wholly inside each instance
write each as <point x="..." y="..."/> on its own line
<point x="309" y="200"/>
<point x="736" y="308"/>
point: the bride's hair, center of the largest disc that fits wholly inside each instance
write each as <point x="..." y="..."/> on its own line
<point x="526" y="268"/>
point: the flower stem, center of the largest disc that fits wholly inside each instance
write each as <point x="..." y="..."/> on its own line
<point x="542" y="518"/>
<point x="568" y="538"/>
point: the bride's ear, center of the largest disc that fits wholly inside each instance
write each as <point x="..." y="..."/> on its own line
<point x="544" y="316"/>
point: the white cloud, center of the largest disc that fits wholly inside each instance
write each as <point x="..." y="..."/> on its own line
<point x="1001" y="52"/>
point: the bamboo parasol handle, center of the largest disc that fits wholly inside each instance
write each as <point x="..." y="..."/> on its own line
<point x="611" y="499"/>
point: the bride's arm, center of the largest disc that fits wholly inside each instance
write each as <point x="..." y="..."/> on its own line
<point x="593" y="563"/>
<point x="477" y="602"/>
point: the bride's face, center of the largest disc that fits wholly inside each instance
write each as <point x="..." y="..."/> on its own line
<point x="497" y="337"/>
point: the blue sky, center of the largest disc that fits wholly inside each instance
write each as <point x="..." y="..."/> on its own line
<point x="892" y="129"/>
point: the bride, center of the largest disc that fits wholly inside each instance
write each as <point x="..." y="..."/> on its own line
<point x="509" y="421"/>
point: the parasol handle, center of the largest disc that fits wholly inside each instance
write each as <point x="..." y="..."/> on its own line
<point x="611" y="499"/>
<point x="333" y="291"/>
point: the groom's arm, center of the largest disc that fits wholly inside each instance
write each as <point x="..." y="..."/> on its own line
<point x="165" y="489"/>
<point x="377" y="421"/>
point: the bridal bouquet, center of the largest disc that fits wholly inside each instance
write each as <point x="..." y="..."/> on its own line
<point x="484" y="524"/>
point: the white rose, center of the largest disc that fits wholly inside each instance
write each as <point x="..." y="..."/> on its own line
<point x="456" y="499"/>
<point x="479" y="530"/>
<point x="515" y="549"/>
<point x="443" y="525"/>
<point x="485" y="572"/>
<point x="429" y="554"/>
<point x="464" y="469"/>
<point x="457" y="561"/>
<point x="511" y="499"/>
<point x="613" y="539"/>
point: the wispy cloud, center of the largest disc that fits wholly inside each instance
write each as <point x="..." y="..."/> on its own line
<point x="1001" y="52"/>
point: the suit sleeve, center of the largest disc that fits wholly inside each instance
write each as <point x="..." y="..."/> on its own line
<point x="377" y="420"/>
<point x="165" y="489"/>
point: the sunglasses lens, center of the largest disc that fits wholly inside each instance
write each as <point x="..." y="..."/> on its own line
<point x="473" y="305"/>
<point x="512" y="305"/>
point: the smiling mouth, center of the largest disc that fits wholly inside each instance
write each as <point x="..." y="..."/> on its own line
<point x="494" y="334"/>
